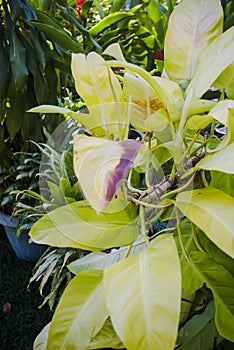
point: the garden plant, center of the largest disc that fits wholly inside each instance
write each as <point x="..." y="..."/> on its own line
<point x="157" y="211"/>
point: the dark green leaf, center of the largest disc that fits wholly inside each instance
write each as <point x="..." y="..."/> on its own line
<point x="108" y="21"/>
<point x="221" y="282"/>
<point x="15" y="114"/>
<point x="199" y="332"/>
<point x="59" y="36"/>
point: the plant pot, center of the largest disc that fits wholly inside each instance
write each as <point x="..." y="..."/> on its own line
<point x="21" y="245"/>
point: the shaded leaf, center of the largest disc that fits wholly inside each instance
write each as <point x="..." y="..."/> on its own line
<point x="108" y="21"/>
<point x="221" y="282"/>
<point x="146" y="287"/>
<point x="199" y="332"/>
<point x="106" y="338"/>
<point x="101" y="260"/>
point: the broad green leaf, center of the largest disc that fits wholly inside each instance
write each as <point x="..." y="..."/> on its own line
<point x="80" y="314"/>
<point x="222" y="181"/>
<point x="77" y="225"/>
<point x="220" y="161"/>
<point x="108" y="21"/>
<point x="18" y="60"/>
<point x="214" y="252"/>
<point x="225" y="81"/>
<point x="106" y="338"/>
<point x="199" y="332"/>
<point x="101" y="260"/>
<point x="59" y="36"/>
<point x="191" y="282"/>
<point x="146" y="287"/>
<point x="212" y="211"/>
<point x="100" y="89"/>
<point x="213" y="60"/>
<point x="101" y="165"/>
<point x="15" y="114"/>
<point x="41" y="340"/>
<point x="192" y="26"/>
<point x="221" y="282"/>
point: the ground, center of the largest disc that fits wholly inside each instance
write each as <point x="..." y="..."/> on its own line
<point x="20" y="318"/>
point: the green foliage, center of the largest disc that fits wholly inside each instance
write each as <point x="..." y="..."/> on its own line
<point x="29" y="78"/>
<point x="129" y="289"/>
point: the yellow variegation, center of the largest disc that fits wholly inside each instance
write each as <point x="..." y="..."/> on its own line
<point x="143" y="295"/>
<point x="100" y="89"/>
<point x="213" y="60"/>
<point x="212" y="211"/>
<point x="76" y="309"/>
<point x="193" y="25"/>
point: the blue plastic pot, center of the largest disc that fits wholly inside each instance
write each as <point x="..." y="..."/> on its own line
<point x="22" y="247"/>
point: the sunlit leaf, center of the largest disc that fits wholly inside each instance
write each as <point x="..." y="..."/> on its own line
<point x="80" y="314"/>
<point x="220" y="161"/>
<point x="221" y="282"/>
<point x="192" y="26"/>
<point x="101" y="165"/>
<point x="213" y="60"/>
<point x="146" y="287"/>
<point x="166" y="91"/>
<point x="91" y="123"/>
<point x="212" y="211"/>
<point x="41" y="340"/>
<point x="77" y="225"/>
<point x="100" y="89"/>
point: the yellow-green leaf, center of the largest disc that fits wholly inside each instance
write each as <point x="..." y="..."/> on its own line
<point x="77" y="225"/>
<point x="213" y="60"/>
<point x="80" y="314"/>
<point x="143" y="296"/>
<point x="192" y="26"/>
<point x="100" y="89"/>
<point x="212" y="211"/>
<point x="220" y="161"/>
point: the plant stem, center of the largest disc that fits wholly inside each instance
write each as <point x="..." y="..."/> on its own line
<point x="143" y="227"/>
<point x="180" y="235"/>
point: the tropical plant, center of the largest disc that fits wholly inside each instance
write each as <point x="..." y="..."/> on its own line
<point x="140" y="288"/>
<point x="139" y="27"/>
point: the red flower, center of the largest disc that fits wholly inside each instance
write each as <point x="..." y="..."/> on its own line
<point x="79" y="4"/>
<point x="159" y="55"/>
